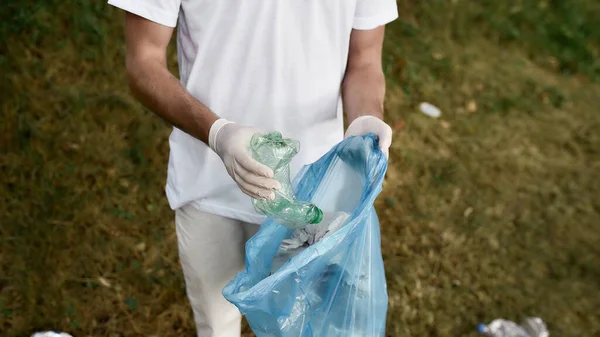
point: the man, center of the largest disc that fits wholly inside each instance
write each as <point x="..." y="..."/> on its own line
<point x="248" y="66"/>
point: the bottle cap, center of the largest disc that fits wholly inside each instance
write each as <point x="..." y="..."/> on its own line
<point x="318" y="216"/>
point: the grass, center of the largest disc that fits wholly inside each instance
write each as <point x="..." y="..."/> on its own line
<point x="490" y="211"/>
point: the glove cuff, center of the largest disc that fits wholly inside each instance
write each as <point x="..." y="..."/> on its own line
<point x="357" y="120"/>
<point x="215" y="129"/>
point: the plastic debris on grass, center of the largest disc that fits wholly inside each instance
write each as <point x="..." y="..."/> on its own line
<point x="430" y="110"/>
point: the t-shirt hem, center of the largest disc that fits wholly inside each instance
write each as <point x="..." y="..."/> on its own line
<point x="228" y="212"/>
<point x="171" y="198"/>
<point x="146" y="11"/>
<point x="207" y="207"/>
<point x="371" y="22"/>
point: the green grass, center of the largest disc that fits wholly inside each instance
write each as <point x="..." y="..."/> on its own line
<point x="490" y="211"/>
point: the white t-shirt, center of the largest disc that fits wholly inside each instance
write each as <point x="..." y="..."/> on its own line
<point x="272" y="64"/>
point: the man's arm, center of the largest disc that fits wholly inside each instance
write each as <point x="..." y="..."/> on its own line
<point x="152" y="83"/>
<point x="363" y="87"/>
<point x="154" y="86"/>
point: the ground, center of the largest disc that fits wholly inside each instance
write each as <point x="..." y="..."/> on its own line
<point x="491" y="210"/>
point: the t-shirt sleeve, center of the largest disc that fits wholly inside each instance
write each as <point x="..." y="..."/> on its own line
<point x="370" y="14"/>
<point x="164" y="12"/>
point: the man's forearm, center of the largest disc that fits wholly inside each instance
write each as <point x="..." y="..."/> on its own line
<point x="157" y="89"/>
<point x="363" y="92"/>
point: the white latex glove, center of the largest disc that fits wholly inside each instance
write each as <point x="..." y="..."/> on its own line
<point x="231" y="142"/>
<point x="366" y="124"/>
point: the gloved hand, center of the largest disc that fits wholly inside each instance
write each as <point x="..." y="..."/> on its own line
<point x="231" y="142"/>
<point x="366" y="124"/>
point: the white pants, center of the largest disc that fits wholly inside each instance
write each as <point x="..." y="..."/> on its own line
<point x="212" y="251"/>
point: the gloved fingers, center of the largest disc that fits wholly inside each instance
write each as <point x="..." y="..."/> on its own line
<point x="250" y="194"/>
<point x="367" y="124"/>
<point x="360" y="126"/>
<point x="259" y="181"/>
<point x="251" y="190"/>
<point x="386" y="152"/>
<point x="251" y="165"/>
<point x="260" y="195"/>
<point x="385" y="140"/>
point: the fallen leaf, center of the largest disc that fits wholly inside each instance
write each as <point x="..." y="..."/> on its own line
<point x="111" y="172"/>
<point x="140" y="247"/>
<point x="545" y="97"/>
<point x="445" y="124"/>
<point x="553" y="62"/>
<point x="104" y="282"/>
<point x="472" y="106"/>
<point x="71" y="147"/>
<point x="400" y="66"/>
<point x="494" y="243"/>
<point x="401" y="63"/>
<point x="124" y="183"/>
<point x="468" y="212"/>
<point x="399" y="125"/>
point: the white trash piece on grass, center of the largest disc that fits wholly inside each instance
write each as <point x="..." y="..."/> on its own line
<point x="531" y="327"/>
<point x="51" y="334"/>
<point x="430" y="110"/>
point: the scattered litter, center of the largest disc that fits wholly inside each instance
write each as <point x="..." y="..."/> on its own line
<point x="531" y="327"/>
<point x="51" y="334"/>
<point x="430" y="110"/>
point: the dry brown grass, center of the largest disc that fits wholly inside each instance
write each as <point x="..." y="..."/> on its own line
<point x="491" y="211"/>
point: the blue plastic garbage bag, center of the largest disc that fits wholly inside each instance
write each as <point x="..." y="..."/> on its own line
<point x="335" y="287"/>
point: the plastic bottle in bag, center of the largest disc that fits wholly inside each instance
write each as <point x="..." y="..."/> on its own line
<point x="531" y="327"/>
<point x="277" y="152"/>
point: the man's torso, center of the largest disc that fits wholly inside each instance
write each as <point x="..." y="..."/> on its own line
<point x="273" y="64"/>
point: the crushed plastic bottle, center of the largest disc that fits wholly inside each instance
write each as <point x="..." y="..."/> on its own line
<point x="531" y="327"/>
<point x="277" y="152"/>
